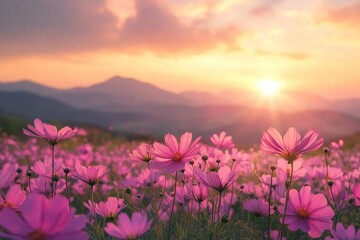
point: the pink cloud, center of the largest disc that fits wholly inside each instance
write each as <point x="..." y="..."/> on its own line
<point x="283" y="54"/>
<point x="67" y="26"/>
<point x="344" y="16"/>
<point x="47" y="27"/>
<point x="155" y="28"/>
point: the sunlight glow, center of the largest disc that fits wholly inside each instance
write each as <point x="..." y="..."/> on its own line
<point x="269" y="87"/>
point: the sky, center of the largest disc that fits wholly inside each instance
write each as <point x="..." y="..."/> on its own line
<point x="181" y="45"/>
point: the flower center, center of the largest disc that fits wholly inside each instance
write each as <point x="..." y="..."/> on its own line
<point x="177" y="157"/>
<point x="7" y="205"/>
<point x="303" y="213"/>
<point x="36" y="235"/>
<point x="290" y="157"/>
<point x="147" y="158"/>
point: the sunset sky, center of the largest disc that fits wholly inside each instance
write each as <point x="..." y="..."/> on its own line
<point x="203" y="45"/>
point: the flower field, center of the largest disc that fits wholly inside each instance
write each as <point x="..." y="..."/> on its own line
<point x="58" y="185"/>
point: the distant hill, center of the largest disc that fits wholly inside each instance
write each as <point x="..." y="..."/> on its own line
<point x="119" y="94"/>
<point x="246" y="124"/>
<point x="108" y="95"/>
<point x="29" y="86"/>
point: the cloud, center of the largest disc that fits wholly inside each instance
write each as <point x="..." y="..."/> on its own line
<point x="43" y="26"/>
<point x="66" y="26"/>
<point x="289" y="55"/>
<point x="262" y="11"/>
<point x="154" y="27"/>
<point x="347" y="16"/>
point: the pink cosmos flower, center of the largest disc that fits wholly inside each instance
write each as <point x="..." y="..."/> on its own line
<point x="109" y="209"/>
<point x="14" y="197"/>
<point x="90" y="175"/>
<point x="222" y="141"/>
<point x="356" y="192"/>
<point x="274" y="235"/>
<point x="291" y="146"/>
<point x="43" y="219"/>
<point x="142" y="153"/>
<point x="49" y="132"/>
<point x="283" y="169"/>
<point x="7" y="174"/>
<point x="44" y="169"/>
<point x="173" y="156"/>
<point x="308" y="212"/>
<point x="220" y="180"/>
<point x="43" y="186"/>
<point x="340" y="233"/>
<point x="258" y="207"/>
<point x="129" y="228"/>
<point x="198" y="193"/>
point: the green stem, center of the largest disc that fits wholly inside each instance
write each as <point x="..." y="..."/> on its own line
<point x="335" y="206"/>
<point x="67" y="190"/>
<point x="286" y="201"/>
<point x="52" y="169"/>
<point x="92" y="202"/>
<point x="172" y="207"/>
<point x="219" y="206"/>
<point x="29" y="185"/>
<point x="269" y="202"/>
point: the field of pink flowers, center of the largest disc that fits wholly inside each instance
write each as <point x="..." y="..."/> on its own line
<point x="57" y="185"/>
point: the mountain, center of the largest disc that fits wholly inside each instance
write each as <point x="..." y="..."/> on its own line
<point x="106" y="96"/>
<point x="245" y="124"/>
<point x="28" y="86"/>
<point x="30" y="106"/>
<point x="205" y="98"/>
<point x="119" y="94"/>
<point x="349" y="106"/>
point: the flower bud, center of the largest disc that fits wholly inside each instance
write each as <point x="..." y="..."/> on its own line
<point x="55" y="178"/>
<point x="225" y="219"/>
<point x="66" y="170"/>
<point x="330" y="183"/>
<point x="326" y="150"/>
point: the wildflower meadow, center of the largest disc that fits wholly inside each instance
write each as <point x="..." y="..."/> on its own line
<point x="56" y="184"/>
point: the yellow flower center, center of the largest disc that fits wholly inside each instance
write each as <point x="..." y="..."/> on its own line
<point x="7" y="205"/>
<point x="36" y="235"/>
<point x="303" y="213"/>
<point x="177" y="157"/>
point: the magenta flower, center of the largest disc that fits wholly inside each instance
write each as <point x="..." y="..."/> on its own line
<point x="109" y="209"/>
<point x="129" y="228"/>
<point x="173" y="156"/>
<point x="142" y="153"/>
<point x="198" y="193"/>
<point x="44" y="169"/>
<point x="220" y="180"/>
<point x="7" y="174"/>
<point x="356" y="192"/>
<point x="49" y="132"/>
<point x="258" y="207"/>
<point x="14" y="197"/>
<point x="222" y="141"/>
<point x="340" y="233"/>
<point x="43" y="219"/>
<point x="308" y="212"/>
<point x="90" y="175"/>
<point x="291" y="146"/>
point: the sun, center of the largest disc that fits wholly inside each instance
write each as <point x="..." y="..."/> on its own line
<point x="269" y="87"/>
